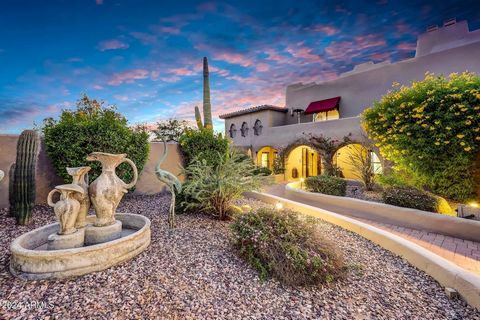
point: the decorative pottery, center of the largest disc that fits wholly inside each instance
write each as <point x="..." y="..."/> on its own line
<point x="67" y="208"/>
<point x="108" y="189"/>
<point x="79" y="178"/>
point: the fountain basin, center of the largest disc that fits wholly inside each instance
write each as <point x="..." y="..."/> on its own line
<point x="30" y="259"/>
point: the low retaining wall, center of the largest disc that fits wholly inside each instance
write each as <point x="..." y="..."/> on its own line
<point x="403" y="217"/>
<point x="445" y="272"/>
<point x="46" y="178"/>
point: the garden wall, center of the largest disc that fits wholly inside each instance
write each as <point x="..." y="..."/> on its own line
<point x="46" y="179"/>
<point x="384" y="213"/>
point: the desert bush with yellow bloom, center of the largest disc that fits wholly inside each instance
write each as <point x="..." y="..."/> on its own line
<point x="431" y="131"/>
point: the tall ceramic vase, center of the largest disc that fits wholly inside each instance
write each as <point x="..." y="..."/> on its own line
<point x="108" y="189"/>
<point x="67" y="208"/>
<point x="79" y="178"/>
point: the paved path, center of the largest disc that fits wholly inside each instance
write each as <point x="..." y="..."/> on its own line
<point x="464" y="253"/>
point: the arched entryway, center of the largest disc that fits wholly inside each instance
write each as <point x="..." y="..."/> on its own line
<point x="350" y="159"/>
<point x="302" y="162"/>
<point x="266" y="156"/>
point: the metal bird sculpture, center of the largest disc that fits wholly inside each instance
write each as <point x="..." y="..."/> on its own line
<point x="172" y="183"/>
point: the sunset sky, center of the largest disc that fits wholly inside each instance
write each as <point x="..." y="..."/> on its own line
<point x="145" y="56"/>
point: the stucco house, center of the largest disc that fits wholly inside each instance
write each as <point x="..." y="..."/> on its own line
<point x="332" y="108"/>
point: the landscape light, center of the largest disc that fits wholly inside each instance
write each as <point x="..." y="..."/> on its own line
<point x="302" y="180"/>
<point x="279" y="206"/>
<point x="473" y="204"/>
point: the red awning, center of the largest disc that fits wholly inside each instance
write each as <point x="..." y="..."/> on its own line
<point x="322" y="105"/>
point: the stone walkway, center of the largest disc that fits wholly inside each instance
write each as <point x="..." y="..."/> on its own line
<point x="464" y="253"/>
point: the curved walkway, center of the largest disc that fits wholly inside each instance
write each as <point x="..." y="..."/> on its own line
<point x="463" y="253"/>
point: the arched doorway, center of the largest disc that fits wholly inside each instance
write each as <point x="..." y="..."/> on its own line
<point x="302" y="162"/>
<point x="265" y="157"/>
<point x="352" y="158"/>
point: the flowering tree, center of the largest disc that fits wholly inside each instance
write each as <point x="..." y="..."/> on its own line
<point x="431" y="132"/>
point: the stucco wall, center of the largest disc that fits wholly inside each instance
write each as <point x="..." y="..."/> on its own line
<point x="46" y="179"/>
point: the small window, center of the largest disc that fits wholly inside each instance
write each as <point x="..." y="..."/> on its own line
<point x="257" y="128"/>
<point x="324" y="116"/>
<point x="233" y="131"/>
<point x="244" y="129"/>
<point x="376" y="163"/>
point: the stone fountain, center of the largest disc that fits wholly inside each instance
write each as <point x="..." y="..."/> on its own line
<point x="79" y="244"/>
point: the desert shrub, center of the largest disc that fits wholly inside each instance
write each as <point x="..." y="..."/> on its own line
<point x="213" y="189"/>
<point x="327" y="184"/>
<point x="431" y="131"/>
<point x="203" y="144"/>
<point x="280" y="244"/>
<point x="93" y="127"/>
<point x="262" y="171"/>
<point x="414" y="198"/>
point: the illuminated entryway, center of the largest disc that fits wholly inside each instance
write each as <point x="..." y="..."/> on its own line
<point x="265" y="157"/>
<point x="351" y="158"/>
<point x="302" y="162"/>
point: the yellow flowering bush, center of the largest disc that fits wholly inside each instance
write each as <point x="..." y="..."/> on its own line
<point x="430" y="130"/>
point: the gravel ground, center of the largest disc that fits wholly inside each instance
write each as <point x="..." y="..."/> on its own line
<point x="193" y="273"/>
<point x="358" y="192"/>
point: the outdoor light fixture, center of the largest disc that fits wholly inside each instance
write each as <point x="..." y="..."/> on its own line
<point x="279" y="206"/>
<point x="302" y="180"/>
<point x="473" y="204"/>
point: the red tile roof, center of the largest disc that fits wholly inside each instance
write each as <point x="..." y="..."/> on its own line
<point x="252" y="110"/>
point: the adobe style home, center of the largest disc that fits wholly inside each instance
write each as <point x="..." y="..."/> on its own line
<point x="332" y="108"/>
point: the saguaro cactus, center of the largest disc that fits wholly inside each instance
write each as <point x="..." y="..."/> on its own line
<point x="198" y="118"/>
<point x="24" y="177"/>
<point x="207" y="106"/>
<point x="11" y="193"/>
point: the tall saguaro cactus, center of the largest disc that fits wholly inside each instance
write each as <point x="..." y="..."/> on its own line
<point x="24" y="176"/>
<point x="207" y="106"/>
<point x="11" y="192"/>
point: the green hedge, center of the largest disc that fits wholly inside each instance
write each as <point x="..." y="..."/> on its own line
<point x="327" y="184"/>
<point x="280" y="244"/>
<point x="409" y="197"/>
<point x="203" y="144"/>
<point x="431" y="131"/>
<point x="93" y="127"/>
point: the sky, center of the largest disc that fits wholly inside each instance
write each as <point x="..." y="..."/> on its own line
<point x="146" y="56"/>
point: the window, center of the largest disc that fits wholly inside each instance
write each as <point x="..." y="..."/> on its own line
<point x="257" y="128"/>
<point x="376" y="163"/>
<point x="233" y="131"/>
<point x="244" y="129"/>
<point x="265" y="160"/>
<point x="328" y="115"/>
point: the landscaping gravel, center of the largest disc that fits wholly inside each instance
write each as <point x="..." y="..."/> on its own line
<point x="192" y="272"/>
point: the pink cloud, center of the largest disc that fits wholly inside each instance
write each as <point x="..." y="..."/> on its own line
<point x="327" y="29"/>
<point x="99" y="2"/>
<point x="220" y="72"/>
<point x="380" y="56"/>
<point x="113" y="44"/>
<point x="97" y="87"/>
<point x="408" y="46"/>
<point x="233" y="58"/>
<point x="128" y="76"/>
<point x="341" y="50"/>
<point x="305" y="54"/>
<point x="262" y="67"/>
<point x="181" y="72"/>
